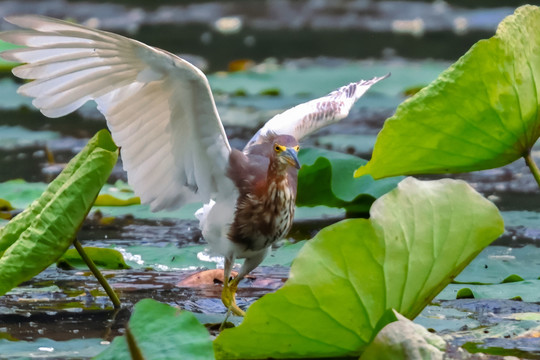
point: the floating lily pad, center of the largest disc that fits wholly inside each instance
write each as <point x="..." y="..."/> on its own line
<point x="465" y="293"/>
<point x="358" y="144"/>
<point x="16" y="136"/>
<point x="529" y="219"/>
<point x="446" y="318"/>
<point x="110" y="200"/>
<point x="125" y="195"/>
<point x="173" y="258"/>
<point x="284" y="255"/>
<point x="496" y="263"/>
<point x="50" y="349"/>
<point x="512" y="278"/>
<point x="525" y="316"/>
<point x="103" y="258"/>
<point x="5" y="205"/>
<point x="314" y="81"/>
<point x="317" y="212"/>
<point x="9" y="99"/>
<point x="527" y="290"/>
<point x="21" y="193"/>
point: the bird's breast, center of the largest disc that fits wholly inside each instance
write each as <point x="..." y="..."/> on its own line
<point x="263" y="218"/>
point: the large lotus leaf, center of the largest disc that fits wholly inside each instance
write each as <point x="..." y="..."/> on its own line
<point x="326" y="178"/>
<point x="480" y="113"/>
<point x="38" y="236"/>
<point x="419" y="237"/>
<point x="160" y="331"/>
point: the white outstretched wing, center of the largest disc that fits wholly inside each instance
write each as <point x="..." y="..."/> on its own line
<point x="308" y="117"/>
<point x="159" y="108"/>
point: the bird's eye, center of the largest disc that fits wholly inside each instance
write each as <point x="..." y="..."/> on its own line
<point x="278" y="148"/>
<point x="297" y="148"/>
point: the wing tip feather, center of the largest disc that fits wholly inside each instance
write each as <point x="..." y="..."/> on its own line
<point x="9" y="55"/>
<point x="376" y="79"/>
<point x="22" y="20"/>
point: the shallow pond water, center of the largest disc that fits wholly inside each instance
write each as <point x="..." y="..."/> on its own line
<point x="64" y="314"/>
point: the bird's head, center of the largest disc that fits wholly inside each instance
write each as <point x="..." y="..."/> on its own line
<point x="285" y="149"/>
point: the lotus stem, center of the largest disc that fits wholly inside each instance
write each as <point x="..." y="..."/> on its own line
<point x="533" y="167"/>
<point x="99" y="276"/>
<point x="134" y="349"/>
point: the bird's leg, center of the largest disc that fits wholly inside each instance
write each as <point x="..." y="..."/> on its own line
<point x="230" y="286"/>
<point x="233" y="284"/>
<point x="228" y="295"/>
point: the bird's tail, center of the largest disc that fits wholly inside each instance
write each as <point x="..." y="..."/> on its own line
<point x="202" y="213"/>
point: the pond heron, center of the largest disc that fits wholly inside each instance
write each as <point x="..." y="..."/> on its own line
<point x="161" y="112"/>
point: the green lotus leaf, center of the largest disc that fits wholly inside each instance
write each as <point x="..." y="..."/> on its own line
<point x="480" y="113"/>
<point x="21" y="193"/>
<point x="160" y="331"/>
<point x="5" y="205"/>
<point x="103" y="258"/>
<point x="527" y="290"/>
<point x="326" y="178"/>
<point x="39" y="235"/>
<point x="419" y="237"/>
<point x="512" y="278"/>
<point x="465" y="293"/>
<point x="110" y="200"/>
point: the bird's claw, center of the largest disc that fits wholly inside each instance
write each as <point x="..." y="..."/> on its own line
<point x="228" y="296"/>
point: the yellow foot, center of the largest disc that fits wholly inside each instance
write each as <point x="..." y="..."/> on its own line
<point x="228" y="296"/>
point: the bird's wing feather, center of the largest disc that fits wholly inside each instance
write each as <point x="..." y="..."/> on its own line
<point x="159" y="107"/>
<point x="308" y="117"/>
